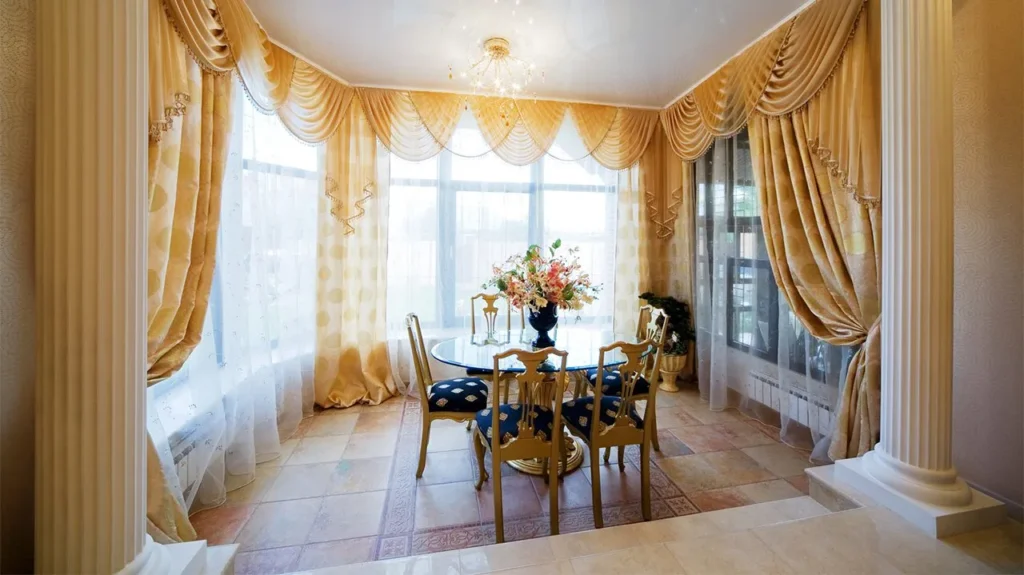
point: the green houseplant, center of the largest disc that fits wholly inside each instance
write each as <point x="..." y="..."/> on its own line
<point x="677" y="341"/>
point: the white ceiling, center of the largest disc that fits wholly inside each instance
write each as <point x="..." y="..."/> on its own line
<point x="632" y="52"/>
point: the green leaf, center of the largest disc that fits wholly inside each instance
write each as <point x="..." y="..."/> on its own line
<point x="557" y="244"/>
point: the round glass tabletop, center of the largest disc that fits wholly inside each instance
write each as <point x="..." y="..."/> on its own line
<point x="478" y="351"/>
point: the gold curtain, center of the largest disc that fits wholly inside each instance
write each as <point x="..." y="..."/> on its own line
<point x="351" y="342"/>
<point x="680" y="245"/>
<point x="187" y="155"/>
<point x="818" y="173"/>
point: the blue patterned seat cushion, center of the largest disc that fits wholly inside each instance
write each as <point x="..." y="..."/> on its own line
<point x="508" y="424"/>
<point x="613" y="383"/>
<point x="462" y="394"/>
<point x="579" y="413"/>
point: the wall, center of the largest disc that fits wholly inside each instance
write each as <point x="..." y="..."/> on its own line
<point x="17" y="356"/>
<point x="988" y="309"/>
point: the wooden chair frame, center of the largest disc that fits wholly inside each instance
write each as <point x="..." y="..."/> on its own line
<point x="536" y="389"/>
<point x="490" y="313"/>
<point x="624" y="432"/>
<point x="423" y="381"/>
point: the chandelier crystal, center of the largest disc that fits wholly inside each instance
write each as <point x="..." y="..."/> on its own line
<point x="496" y="72"/>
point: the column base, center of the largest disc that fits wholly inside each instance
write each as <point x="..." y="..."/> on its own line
<point x="190" y="558"/>
<point x="980" y="512"/>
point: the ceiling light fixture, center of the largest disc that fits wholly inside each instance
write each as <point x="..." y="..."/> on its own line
<point x="496" y="72"/>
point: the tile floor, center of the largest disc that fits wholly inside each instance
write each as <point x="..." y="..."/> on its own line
<point x="794" y="535"/>
<point x="344" y="489"/>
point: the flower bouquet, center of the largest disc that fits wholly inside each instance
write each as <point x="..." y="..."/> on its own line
<point x="542" y="284"/>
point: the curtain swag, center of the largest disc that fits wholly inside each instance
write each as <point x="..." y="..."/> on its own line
<point x="777" y="75"/>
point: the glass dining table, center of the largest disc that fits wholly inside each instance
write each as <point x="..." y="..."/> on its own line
<point x="583" y="345"/>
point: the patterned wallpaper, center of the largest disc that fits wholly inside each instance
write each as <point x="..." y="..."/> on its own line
<point x="17" y="361"/>
<point x="988" y="308"/>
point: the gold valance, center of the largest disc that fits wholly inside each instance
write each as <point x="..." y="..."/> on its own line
<point x="778" y="74"/>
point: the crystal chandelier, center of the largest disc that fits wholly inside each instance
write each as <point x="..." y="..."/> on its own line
<point x="496" y="72"/>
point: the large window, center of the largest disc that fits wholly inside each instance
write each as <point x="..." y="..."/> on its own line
<point x="455" y="216"/>
<point x="729" y="221"/>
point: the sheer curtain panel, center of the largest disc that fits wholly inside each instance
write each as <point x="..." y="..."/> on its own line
<point x="752" y="351"/>
<point x="249" y="382"/>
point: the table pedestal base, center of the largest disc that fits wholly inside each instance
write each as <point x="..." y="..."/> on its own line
<point x="574" y="450"/>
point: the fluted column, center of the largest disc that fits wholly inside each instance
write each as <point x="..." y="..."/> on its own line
<point x="91" y="319"/>
<point x="914" y="456"/>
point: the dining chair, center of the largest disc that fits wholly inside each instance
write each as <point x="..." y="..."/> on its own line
<point x="490" y="316"/>
<point x="613" y="421"/>
<point x="457" y="399"/>
<point x="531" y="428"/>
<point x="653" y="325"/>
<point x="589" y="375"/>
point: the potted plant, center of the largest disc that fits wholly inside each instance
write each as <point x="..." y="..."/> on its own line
<point x="543" y="284"/>
<point x="677" y="341"/>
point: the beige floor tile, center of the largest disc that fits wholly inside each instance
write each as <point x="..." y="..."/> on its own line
<point x="440" y="563"/>
<point x="287" y="448"/>
<point x="617" y="486"/>
<point x="845" y="541"/>
<point x="769" y="491"/>
<point x="673" y="417"/>
<point x="222" y="524"/>
<point x="800" y="482"/>
<point x="254" y="491"/>
<point x="359" y="475"/>
<point x="703" y="414"/>
<point x="718" y="499"/>
<point x="703" y="438"/>
<point x="367" y="445"/>
<point x="335" y="553"/>
<point x="378" y="422"/>
<point x="332" y="422"/>
<point x="446" y="505"/>
<point x="268" y="561"/>
<point x="318" y="450"/>
<point x="518" y="499"/>
<point x="762" y="514"/>
<point x="279" y="524"/>
<point x="532" y="552"/>
<point x="594" y="541"/>
<point x="742" y="434"/>
<point x="648" y="559"/>
<point x="391" y="404"/>
<point x="733" y="553"/>
<point x="447" y="467"/>
<point x="678" y="528"/>
<point x="1001" y="548"/>
<point x="573" y="491"/>
<point x="703" y="471"/>
<point x="448" y="438"/>
<point x="553" y="568"/>
<point x="781" y="460"/>
<point x="300" y="481"/>
<point x="348" y="516"/>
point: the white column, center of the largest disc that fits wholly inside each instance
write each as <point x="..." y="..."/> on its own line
<point x="911" y="469"/>
<point x="91" y="289"/>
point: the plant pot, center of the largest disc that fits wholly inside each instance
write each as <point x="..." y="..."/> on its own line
<point x="670" y="367"/>
<point x="543" y="320"/>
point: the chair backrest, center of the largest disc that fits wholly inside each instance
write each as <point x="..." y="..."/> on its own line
<point x="641" y="320"/>
<point x="539" y="386"/>
<point x="419" y="355"/>
<point x="639" y="363"/>
<point x="490" y="312"/>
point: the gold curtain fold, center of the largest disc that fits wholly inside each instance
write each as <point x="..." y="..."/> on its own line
<point x="202" y="33"/>
<point x="264" y="67"/>
<point x="316" y="104"/>
<point x="519" y="132"/>
<point x="351" y="341"/>
<point x="776" y="75"/>
<point x="679" y="183"/>
<point x="412" y="125"/>
<point x="168" y="82"/>
<point x="186" y="175"/>
<point x="615" y="137"/>
<point x="822" y="231"/>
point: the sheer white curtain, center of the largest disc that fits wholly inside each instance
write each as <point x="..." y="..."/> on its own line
<point x="453" y="217"/>
<point x="752" y="351"/>
<point x="249" y="383"/>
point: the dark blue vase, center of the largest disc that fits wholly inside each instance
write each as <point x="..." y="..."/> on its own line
<point x="544" y="321"/>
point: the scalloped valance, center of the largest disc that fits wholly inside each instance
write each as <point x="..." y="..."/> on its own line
<point x="776" y="75"/>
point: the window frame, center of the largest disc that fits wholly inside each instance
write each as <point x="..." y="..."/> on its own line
<point x="447" y="189"/>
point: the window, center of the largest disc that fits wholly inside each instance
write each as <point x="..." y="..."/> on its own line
<point x="727" y="197"/>
<point x="455" y="216"/>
